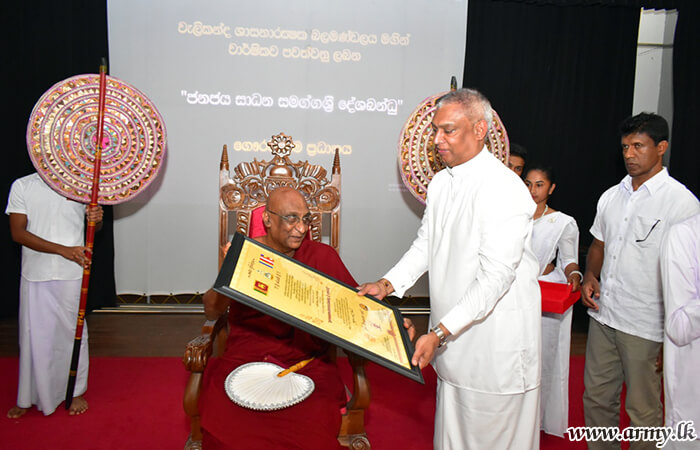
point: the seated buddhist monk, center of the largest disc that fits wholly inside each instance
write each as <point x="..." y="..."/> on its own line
<point x="254" y="336"/>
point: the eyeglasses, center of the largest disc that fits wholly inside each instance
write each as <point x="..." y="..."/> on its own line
<point x="293" y="219"/>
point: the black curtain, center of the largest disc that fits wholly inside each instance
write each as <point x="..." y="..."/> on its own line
<point x="685" y="158"/>
<point x="561" y="78"/>
<point x="43" y="43"/>
<point x="560" y="73"/>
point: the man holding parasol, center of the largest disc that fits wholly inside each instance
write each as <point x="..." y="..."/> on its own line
<point x="93" y="140"/>
<point x="50" y="229"/>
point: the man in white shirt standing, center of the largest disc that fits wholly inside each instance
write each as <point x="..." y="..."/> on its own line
<point x="622" y="283"/>
<point x="50" y="229"/>
<point x="680" y="273"/>
<point x="474" y="241"/>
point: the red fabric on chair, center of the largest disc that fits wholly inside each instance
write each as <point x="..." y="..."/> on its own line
<point x="257" y="228"/>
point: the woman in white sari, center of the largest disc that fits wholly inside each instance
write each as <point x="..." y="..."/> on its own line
<point x="555" y="242"/>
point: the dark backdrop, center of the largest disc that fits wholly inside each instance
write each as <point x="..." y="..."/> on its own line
<point x="685" y="157"/>
<point x="560" y="74"/>
<point x="561" y="79"/>
<point x="43" y="43"/>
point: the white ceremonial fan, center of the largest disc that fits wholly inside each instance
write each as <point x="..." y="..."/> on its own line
<point x="264" y="386"/>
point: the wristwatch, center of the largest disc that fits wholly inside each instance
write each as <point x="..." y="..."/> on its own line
<point x="440" y="334"/>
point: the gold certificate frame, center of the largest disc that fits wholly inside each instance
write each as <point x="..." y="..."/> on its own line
<point x="272" y="283"/>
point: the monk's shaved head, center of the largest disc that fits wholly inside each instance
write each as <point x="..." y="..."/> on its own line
<point x="282" y="196"/>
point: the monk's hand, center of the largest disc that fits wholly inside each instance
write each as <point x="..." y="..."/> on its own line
<point x="590" y="291"/>
<point x="425" y="350"/>
<point x="378" y="289"/>
<point x="410" y="328"/>
<point x="78" y="254"/>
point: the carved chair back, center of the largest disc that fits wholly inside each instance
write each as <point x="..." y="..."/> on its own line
<point x="246" y="188"/>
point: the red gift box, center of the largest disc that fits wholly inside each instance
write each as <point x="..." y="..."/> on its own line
<point x="557" y="297"/>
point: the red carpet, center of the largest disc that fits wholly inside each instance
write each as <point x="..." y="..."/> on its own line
<point x="136" y="403"/>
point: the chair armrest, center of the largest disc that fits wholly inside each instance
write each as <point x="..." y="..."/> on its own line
<point x="361" y="393"/>
<point x="352" y="427"/>
<point x="196" y="356"/>
<point x="199" y="349"/>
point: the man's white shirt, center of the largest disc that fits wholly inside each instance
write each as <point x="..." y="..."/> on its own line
<point x="632" y="224"/>
<point x="680" y="269"/>
<point x="53" y="218"/>
<point x="474" y="240"/>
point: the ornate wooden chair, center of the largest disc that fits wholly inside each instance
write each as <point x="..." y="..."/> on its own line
<point x="241" y="195"/>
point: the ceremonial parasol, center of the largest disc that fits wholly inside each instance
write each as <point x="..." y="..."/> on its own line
<point x="95" y="124"/>
<point x="418" y="160"/>
<point x="62" y="139"/>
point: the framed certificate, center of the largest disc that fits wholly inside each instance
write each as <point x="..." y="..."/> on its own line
<point x="272" y="283"/>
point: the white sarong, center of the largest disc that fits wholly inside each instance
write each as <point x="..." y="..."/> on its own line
<point x="47" y="321"/>
<point x="466" y="419"/>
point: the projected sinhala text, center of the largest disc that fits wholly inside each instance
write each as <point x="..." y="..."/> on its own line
<point x="352" y="105"/>
<point x="308" y="52"/>
<point x="310" y="149"/>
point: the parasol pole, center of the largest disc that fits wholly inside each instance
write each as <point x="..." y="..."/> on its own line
<point x="89" y="238"/>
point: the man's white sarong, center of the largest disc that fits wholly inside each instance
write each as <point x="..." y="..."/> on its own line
<point x="47" y="323"/>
